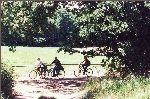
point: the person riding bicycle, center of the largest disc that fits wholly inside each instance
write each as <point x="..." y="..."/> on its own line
<point x="39" y="64"/>
<point x="85" y="63"/>
<point x="57" y="66"/>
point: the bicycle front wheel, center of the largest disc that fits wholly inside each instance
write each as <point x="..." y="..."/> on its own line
<point x="33" y="74"/>
<point x="89" y="72"/>
<point x="77" y="73"/>
<point x="45" y="74"/>
<point x="50" y="72"/>
<point x="61" y="74"/>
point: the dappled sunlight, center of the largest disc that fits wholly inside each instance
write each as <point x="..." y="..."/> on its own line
<point x="65" y="86"/>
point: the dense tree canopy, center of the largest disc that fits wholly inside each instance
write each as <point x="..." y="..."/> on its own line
<point x="114" y="25"/>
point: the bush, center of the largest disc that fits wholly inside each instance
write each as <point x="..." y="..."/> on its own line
<point x="7" y="81"/>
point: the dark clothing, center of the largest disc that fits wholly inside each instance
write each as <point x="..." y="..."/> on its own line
<point x="85" y="64"/>
<point x="57" y="63"/>
<point x="41" y="69"/>
<point x="57" y="66"/>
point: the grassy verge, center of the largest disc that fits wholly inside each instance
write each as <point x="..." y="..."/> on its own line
<point x="133" y="88"/>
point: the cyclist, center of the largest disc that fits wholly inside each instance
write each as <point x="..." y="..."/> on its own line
<point x="39" y="64"/>
<point x="57" y="66"/>
<point x="85" y="63"/>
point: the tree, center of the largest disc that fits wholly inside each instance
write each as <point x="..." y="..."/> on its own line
<point x="118" y="25"/>
<point x="23" y="20"/>
<point x="65" y="27"/>
<point x="113" y="25"/>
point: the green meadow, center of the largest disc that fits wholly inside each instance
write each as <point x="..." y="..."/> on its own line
<point x="27" y="56"/>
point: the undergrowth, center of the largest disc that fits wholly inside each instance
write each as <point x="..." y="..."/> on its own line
<point x="130" y="88"/>
<point x="7" y="81"/>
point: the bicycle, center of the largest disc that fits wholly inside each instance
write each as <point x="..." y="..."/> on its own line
<point x="45" y="74"/>
<point x="35" y="73"/>
<point x="80" y="71"/>
<point x="60" y="74"/>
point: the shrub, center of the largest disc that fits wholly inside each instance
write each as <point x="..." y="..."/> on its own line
<point x="7" y="81"/>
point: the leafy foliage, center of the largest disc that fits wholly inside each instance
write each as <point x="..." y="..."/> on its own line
<point x="114" y="25"/>
<point x="119" y="28"/>
<point x="23" y="21"/>
<point x="7" y="81"/>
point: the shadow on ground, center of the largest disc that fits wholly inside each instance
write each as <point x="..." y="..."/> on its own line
<point x="55" y="85"/>
<point x="44" y="97"/>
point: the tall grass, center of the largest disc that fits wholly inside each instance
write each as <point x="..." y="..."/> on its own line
<point x="133" y="88"/>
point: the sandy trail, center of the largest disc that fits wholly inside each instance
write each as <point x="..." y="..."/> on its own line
<point x="66" y="88"/>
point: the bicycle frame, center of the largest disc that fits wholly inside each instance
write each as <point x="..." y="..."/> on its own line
<point x="57" y="75"/>
<point x="88" y="71"/>
<point x="81" y="67"/>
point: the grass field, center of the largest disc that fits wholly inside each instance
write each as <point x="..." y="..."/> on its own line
<point x="26" y="56"/>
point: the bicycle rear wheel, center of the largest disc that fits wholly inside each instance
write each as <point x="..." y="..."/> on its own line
<point x="33" y="74"/>
<point x="89" y="72"/>
<point x="61" y="74"/>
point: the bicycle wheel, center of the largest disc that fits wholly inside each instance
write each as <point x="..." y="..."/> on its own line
<point x="89" y="72"/>
<point x="77" y="73"/>
<point x="45" y="74"/>
<point x="61" y="74"/>
<point x="50" y="72"/>
<point x="33" y="74"/>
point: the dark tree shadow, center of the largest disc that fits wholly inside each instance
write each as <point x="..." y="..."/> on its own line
<point x="44" y="97"/>
<point x="63" y="86"/>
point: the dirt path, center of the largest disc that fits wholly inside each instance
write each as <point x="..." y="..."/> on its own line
<point x="65" y="88"/>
